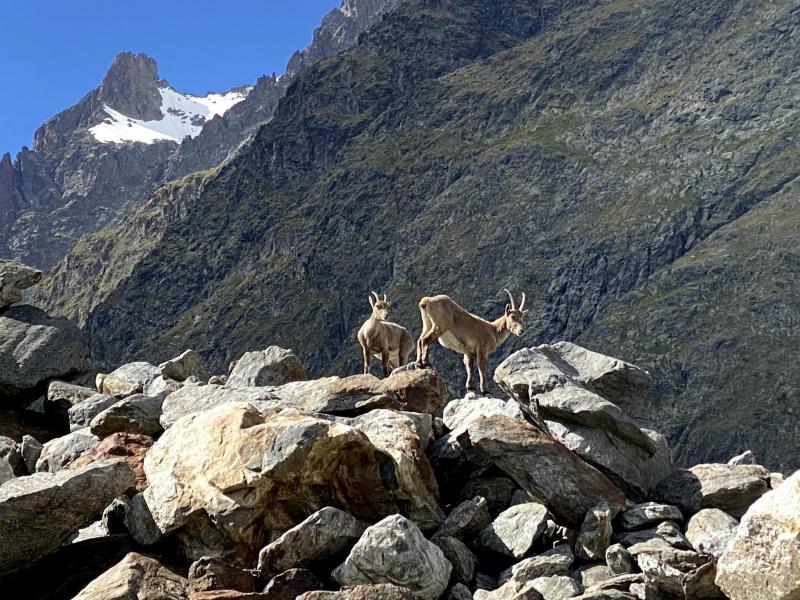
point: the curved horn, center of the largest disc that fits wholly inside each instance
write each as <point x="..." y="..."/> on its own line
<point x="384" y="298"/>
<point x="377" y="298"/>
<point x="510" y="297"/>
<point x="522" y="304"/>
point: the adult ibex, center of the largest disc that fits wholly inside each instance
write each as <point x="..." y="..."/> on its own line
<point x="459" y="330"/>
<point x="386" y="341"/>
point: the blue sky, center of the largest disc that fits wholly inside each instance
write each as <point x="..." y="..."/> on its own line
<point x="54" y="52"/>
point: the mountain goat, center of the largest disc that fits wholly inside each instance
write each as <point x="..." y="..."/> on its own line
<point x="468" y="334"/>
<point x="386" y="341"/>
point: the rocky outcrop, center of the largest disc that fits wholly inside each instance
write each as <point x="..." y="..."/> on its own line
<point x="515" y="530"/>
<point x="762" y="559"/>
<point x="129" y="379"/>
<point x="187" y="364"/>
<point x="35" y="347"/>
<point x="14" y="278"/>
<point x="710" y="530"/>
<point x="138" y="414"/>
<point x="395" y="551"/>
<point x="271" y="367"/>
<point x="137" y="576"/>
<point x="70" y="499"/>
<point x="59" y="452"/>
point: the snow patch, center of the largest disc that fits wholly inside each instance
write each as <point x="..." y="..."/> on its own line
<point x="182" y="115"/>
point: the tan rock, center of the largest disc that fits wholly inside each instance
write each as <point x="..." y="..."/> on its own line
<point x="130" y="446"/>
<point x="136" y="577"/>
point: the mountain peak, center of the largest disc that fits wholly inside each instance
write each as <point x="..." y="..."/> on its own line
<point x="131" y="86"/>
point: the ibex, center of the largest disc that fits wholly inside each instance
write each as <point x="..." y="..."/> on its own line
<point x="386" y="341"/>
<point x="459" y="330"/>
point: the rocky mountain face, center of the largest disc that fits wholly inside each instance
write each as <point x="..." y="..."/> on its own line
<point x="629" y="165"/>
<point x="79" y="179"/>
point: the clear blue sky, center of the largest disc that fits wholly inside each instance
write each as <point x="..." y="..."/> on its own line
<point x="52" y="52"/>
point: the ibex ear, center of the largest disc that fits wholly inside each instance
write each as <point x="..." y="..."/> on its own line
<point x="388" y="304"/>
<point x="371" y="302"/>
<point x="508" y="308"/>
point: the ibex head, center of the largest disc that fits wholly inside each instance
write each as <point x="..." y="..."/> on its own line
<point x="380" y="307"/>
<point x="515" y="315"/>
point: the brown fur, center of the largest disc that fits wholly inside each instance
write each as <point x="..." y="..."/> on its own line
<point x="383" y="339"/>
<point x="455" y="328"/>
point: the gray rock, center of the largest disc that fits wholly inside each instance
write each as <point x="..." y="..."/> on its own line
<point x="290" y="584"/>
<point x="700" y="584"/>
<point x="515" y="530"/>
<point x="70" y="499"/>
<point x="395" y="551"/>
<point x="162" y="386"/>
<point x="665" y="566"/>
<point x="59" y="452"/>
<point x="31" y="451"/>
<point x="466" y="518"/>
<point x="139" y="522"/>
<point x="7" y="452"/>
<point x="35" y="347"/>
<point x="198" y="398"/>
<point x="745" y="458"/>
<point x="136" y="576"/>
<point x="459" y="592"/>
<point x="15" y="277"/>
<point x="321" y="536"/>
<point x="512" y="590"/>
<point x="424" y="425"/>
<point x="186" y="365"/>
<point x="761" y="561"/>
<point x="61" y="396"/>
<point x="458" y="414"/>
<point x="381" y="591"/>
<point x="553" y="475"/>
<point x="271" y="367"/>
<point x="129" y="379"/>
<point x="81" y="414"/>
<point x="484" y="581"/>
<point x="210" y="573"/>
<point x="459" y="556"/>
<point x="557" y="587"/>
<point x="553" y="562"/>
<point x="667" y="531"/>
<point x="619" y="560"/>
<point x="592" y="575"/>
<point x="595" y="533"/>
<point x="710" y="530"/>
<point x="134" y="414"/>
<point x="497" y="491"/>
<point x="648" y="513"/>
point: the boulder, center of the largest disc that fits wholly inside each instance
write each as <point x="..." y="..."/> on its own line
<point x="512" y="590"/>
<point x="498" y="492"/>
<point x="291" y="584"/>
<point x="138" y="520"/>
<point x="136" y="576"/>
<point x="322" y="536"/>
<point x="210" y="573"/>
<point x="163" y="386"/>
<point x="466" y="518"/>
<point x="592" y="575"/>
<point x="61" y="396"/>
<point x="648" y="513"/>
<point x="763" y="559"/>
<point x="35" y="347"/>
<point x="15" y="277"/>
<point x="556" y="587"/>
<point x="595" y="533"/>
<point x="619" y="560"/>
<point x="544" y="468"/>
<point x="59" y="452"/>
<point x="699" y="584"/>
<point x="395" y="551"/>
<point x="31" y="450"/>
<point x="667" y="531"/>
<point x="80" y="415"/>
<point x="382" y="591"/>
<point x="664" y="566"/>
<point x="459" y="592"/>
<point x="137" y="414"/>
<point x="129" y="379"/>
<point x="271" y="367"/>
<point x="7" y="452"/>
<point x="198" y="398"/>
<point x="710" y="530"/>
<point x="187" y="364"/>
<point x="515" y="530"/>
<point x="396" y="435"/>
<point x="70" y="500"/>
<point x="255" y="470"/>
<point x="459" y="556"/>
<point x="553" y="562"/>
<point x="458" y="414"/>
<point x="130" y="446"/>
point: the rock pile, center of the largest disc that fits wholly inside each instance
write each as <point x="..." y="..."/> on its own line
<point x="265" y="485"/>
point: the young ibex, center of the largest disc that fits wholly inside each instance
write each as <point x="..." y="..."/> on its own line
<point x="386" y="341"/>
<point x="459" y="330"/>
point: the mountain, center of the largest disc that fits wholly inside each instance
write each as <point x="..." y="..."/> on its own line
<point x="91" y="163"/>
<point x="631" y="166"/>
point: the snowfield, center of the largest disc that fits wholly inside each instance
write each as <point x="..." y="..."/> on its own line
<point x="183" y="115"/>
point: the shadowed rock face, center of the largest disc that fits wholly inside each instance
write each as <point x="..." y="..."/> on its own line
<point x="640" y="185"/>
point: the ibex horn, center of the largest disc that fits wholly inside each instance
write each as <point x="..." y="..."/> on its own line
<point x="384" y="298"/>
<point x="510" y="297"/>
<point x="522" y="304"/>
<point x="377" y="298"/>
